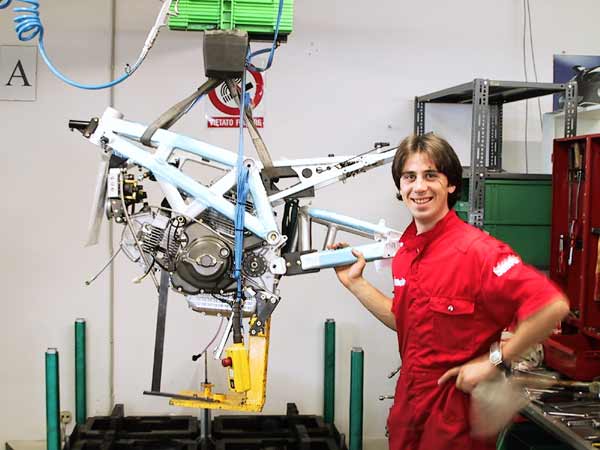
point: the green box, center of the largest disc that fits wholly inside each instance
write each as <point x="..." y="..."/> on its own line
<point x="518" y="211"/>
<point x="257" y="17"/>
<point x="531" y="242"/>
<point x="518" y="202"/>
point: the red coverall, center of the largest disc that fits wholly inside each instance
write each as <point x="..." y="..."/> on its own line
<point x="455" y="290"/>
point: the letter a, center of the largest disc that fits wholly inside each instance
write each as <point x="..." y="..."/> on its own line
<point x="19" y="68"/>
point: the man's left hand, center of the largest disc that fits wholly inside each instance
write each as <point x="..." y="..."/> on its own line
<point x="470" y="374"/>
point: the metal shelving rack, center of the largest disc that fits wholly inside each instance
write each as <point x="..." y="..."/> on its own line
<point x="488" y="98"/>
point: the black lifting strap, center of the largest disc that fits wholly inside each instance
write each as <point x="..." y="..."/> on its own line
<point x="167" y="119"/>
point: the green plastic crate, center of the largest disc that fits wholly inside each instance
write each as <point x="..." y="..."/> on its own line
<point x="518" y="212"/>
<point x="257" y="17"/>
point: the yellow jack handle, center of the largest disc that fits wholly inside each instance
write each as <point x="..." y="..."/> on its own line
<point x="248" y="370"/>
<point x="239" y="367"/>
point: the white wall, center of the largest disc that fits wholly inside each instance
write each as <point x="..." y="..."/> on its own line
<point x="45" y="177"/>
<point x="346" y="78"/>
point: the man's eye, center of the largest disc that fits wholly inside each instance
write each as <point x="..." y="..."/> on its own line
<point x="408" y="177"/>
<point x="431" y="175"/>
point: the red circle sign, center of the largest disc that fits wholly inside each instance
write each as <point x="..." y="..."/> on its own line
<point x="222" y="99"/>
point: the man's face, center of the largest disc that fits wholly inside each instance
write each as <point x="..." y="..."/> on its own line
<point x="424" y="190"/>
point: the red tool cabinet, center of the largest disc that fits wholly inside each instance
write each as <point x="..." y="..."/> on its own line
<point x="574" y="264"/>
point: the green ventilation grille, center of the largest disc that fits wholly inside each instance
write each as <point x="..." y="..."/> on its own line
<point x="257" y="17"/>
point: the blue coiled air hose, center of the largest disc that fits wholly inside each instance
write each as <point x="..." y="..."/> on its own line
<point x="29" y="26"/>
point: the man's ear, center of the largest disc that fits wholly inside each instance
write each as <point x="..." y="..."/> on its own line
<point x="451" y="189"/>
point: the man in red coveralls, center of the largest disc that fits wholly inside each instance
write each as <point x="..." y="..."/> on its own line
<point x="455" y="289"/>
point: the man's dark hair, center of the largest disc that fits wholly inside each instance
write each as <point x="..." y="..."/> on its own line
<point x="441" y="154"/>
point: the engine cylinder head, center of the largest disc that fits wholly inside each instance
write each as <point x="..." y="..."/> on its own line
<point x="152" y="238"/>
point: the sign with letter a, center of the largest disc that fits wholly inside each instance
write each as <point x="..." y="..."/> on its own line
<point x="18" y="73"/>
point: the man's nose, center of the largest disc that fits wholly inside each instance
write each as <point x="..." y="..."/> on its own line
<point x="420" y="184"/>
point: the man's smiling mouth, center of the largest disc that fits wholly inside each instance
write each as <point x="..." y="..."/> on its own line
<point x="422" y="200"/>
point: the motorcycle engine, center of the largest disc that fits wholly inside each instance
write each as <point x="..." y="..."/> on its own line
<point x="199" y="256"/>
<point x="205" y="263"/>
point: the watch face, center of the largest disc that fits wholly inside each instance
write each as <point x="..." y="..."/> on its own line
<point x="495" y="355"/>
<point x="495" y="358"/>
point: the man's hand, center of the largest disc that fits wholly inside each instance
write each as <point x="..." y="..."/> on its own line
<point x="470" y="374"/>
<point x="351" y="276"/>
<point x="351" y="273"/>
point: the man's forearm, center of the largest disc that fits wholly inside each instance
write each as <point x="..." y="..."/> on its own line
<point x="536" y="328"/>
<point x="374" y="300"/>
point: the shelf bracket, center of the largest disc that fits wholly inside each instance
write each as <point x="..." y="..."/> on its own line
<point x="571" y="109"/>
<point x="480" y="135"/>
<point x="419" y="117"/>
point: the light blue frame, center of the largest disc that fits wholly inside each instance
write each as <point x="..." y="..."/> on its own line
<point x="119" y="135"/>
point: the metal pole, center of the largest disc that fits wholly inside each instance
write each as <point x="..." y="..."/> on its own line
<point x="111" y="231"/>
<point x="159" y="340"/>
<point x="52" y="401"/>
<point x="329" y="375"/>
<point x="207" y="412"/>
<point x="356" y="398"/>
<point x="80" y="373"/>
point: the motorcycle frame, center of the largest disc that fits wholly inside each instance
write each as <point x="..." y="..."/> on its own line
<point x="120" y="136"/>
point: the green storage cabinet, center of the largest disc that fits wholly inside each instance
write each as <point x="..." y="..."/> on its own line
<point x="518" y="211"/>
<point x="257" y="17"/>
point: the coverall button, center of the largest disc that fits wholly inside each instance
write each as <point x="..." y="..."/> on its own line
<point x="450" y="308"/>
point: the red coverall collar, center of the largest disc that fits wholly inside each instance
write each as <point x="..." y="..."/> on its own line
<point x="412" y="241"/>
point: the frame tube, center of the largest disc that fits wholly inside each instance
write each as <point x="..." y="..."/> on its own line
<point x="330" y="237"/>
<point x="343" y="256"/>
<point x="304" y="231"/>
<point x="347" y="221"/>
<point x="135" y="131"/>
<point x="165" y="172"/>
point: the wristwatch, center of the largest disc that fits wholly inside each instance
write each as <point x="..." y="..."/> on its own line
<point x="496" y="358"/>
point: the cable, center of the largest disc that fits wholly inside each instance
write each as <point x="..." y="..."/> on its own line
<point x="265" y="50"/>
<point x="214" y="338"/>
<point x="526" y="79"/>
<point x="227" y="301"/>
<point x="137" y="242"/>
<point x="111" y="259"/>
<point x="28" y="26"/>
<point x="240" y="211"/>
<point x="527" y="21"/>
<point x="533" y="60"/>
<point x="242" y="183"/>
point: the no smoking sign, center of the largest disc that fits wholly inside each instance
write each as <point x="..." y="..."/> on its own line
<point x="223" y="111"/>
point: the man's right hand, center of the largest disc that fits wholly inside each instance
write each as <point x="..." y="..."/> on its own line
<point x="351" y="276"/>
<point x="350" y="273"/>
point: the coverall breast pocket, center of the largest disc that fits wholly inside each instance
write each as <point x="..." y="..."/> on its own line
<point x="453" y="323"/>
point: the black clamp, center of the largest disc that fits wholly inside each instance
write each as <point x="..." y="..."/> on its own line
<point x="265" y="305"/>
<point x="293" y="263"/>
